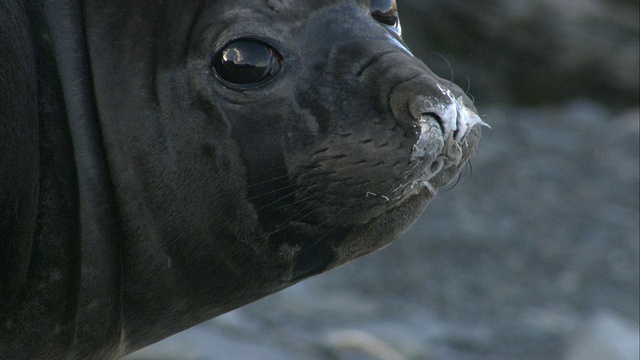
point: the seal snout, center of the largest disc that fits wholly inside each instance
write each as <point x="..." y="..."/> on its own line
<point x="444" y="126"/>
<point x="455" y="115"/>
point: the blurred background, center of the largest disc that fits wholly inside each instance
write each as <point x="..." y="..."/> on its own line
<point x="535" y="253"/>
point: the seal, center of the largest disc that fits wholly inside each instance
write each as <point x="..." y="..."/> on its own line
<point x="167" y="162"/>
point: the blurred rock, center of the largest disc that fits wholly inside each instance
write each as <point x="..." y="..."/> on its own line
<point x="606" y="337"/>
<point x="530" y="51"/>
<point x="363" y="343"/>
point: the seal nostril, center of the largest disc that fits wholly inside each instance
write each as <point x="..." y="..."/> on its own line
<point x="430" y="138"/>
<point x="435" y="117"/>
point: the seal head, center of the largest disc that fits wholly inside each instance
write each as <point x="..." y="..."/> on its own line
<point x="254" y="144"/>
<point x="353" y="136"/>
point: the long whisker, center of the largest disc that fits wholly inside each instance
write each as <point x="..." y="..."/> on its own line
<point x="310" y="246"/>
<point x="293" y="218"/>
<point x="451" y="73"/>
<point x="272" y="192"/>
<point x="276" y="178"/>
<point x="299" y="201"/>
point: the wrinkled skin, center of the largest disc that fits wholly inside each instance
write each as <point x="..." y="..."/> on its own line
<point x="141" y="195"/>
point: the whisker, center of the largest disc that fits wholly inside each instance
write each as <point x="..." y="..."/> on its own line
<point x="276" y="178"/>
<point x="468" y="167"/>
<point x="307" y="207"/>
<point x="450" y="187"/>
<point x="451" y="74"/>
<point x="295" y="202"/>
<point x="473" y="99"/>
<point x="345" y="208"/>
<point x="272" y="192"/>
<point x="348" y="206"/>
<point x="293" y="218"/>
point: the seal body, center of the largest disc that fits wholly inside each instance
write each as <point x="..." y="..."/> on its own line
<point x="166" y="162"/>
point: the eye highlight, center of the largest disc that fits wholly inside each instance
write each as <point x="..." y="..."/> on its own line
<point x="246" y="63"/>
<point x="385" y="11"/>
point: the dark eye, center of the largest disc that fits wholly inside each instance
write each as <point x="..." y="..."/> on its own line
<point x="385" y="11"/>
<point x="246" y="62"/>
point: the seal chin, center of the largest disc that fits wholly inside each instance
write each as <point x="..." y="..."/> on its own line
<point x="381" y="230"/>
<point x="329" y="246"/>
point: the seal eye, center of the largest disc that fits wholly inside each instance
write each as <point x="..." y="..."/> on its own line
<point x="385" y="11"/>
<point x="246" y="62"/>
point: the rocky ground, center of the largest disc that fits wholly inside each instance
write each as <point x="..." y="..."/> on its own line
<point x="534" y="254"/>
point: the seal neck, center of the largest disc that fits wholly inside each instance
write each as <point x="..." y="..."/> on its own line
<point x="100" y="294"/>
